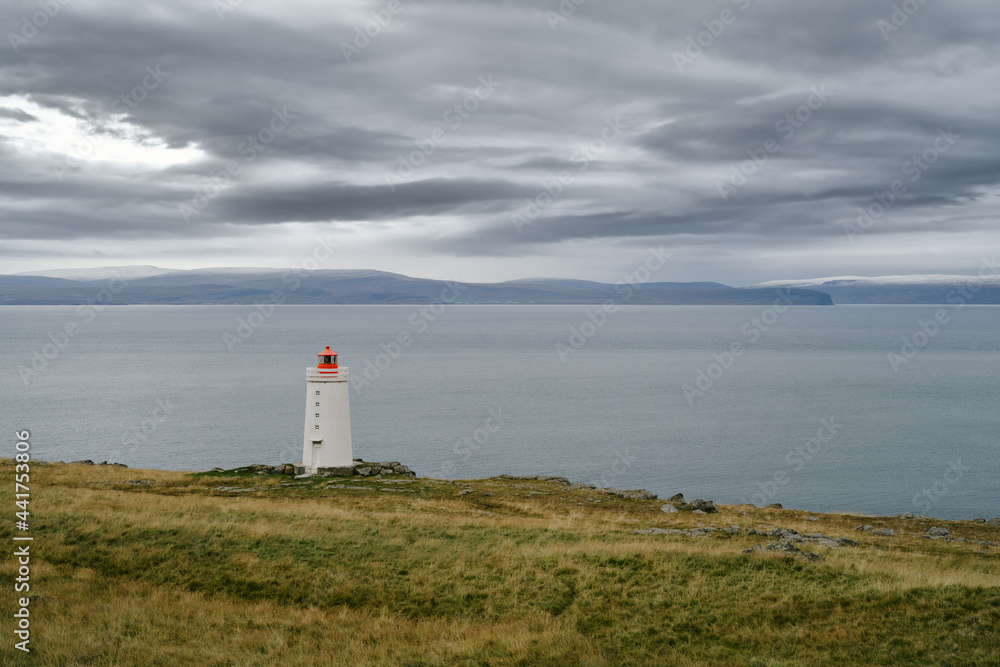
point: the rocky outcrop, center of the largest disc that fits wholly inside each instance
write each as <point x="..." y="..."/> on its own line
<point x="634" y="494"/>
<point x="706" y="506"/>
<point x="361" y="469"/>
<point x="88" y="462"/>
<point x="542" y="478"/>
<point x="783" y="547"/>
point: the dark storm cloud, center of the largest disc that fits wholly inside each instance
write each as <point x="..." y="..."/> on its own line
<point x="409" y="103"/>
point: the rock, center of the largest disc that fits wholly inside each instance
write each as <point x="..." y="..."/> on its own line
<point x="669" y="509"/>
<point x="979" y="521"/>
<point x="938" y="531"/>
<point x="635" y="494"/>
<point x="995" y="521"/>
<point x="303" y="476"/>
<point x="581" y="486"/>
<point x="336" y="471"/>
<point x="488" y="494"/>
<point x="885" y="531"/>
<point x="985" y="543"/>
<point x="345" y="486"/>
<point x="465" y="492"/>
<point x="783" y="547"/>
<point x="364" y="472"/>
<point x="754" y="531"/>
<point x="86" y="462"/>
<point x="846" y="542"/>
<point x="706" y="506"/>
<point x="828" y="543"/>
<point x="786" y="534"/>
<point x="677" y="498"/>
<point x="552" y="478"/>
<point x="661" y="531"/>
<point x="812" y="518"/>
<point x="775" y="506"/>
<point x="733" y="530"/>
<point x="867" y="527"/>
<point x="698" y="512"/>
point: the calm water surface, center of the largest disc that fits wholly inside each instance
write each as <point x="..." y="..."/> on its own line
<point x="613" y="412"/>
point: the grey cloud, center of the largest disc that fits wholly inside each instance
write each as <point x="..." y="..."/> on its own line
<point x="353" y="121"/>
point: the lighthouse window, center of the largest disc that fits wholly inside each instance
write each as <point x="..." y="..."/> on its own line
<point x="316" y="427"/>
<point x="317" y="414"/>
<point x="317" y="392"/>
<point x="317" y="404"/>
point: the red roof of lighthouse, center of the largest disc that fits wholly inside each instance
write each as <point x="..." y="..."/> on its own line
<point x="327" y="352"/>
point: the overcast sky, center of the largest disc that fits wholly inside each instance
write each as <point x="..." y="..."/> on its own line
<point x="489" y="140"/>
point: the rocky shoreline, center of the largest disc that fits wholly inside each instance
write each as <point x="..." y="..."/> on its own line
<point x="674" y="504"/>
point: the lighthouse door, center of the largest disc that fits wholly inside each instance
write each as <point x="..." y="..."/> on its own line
<point x="316" y="444"/>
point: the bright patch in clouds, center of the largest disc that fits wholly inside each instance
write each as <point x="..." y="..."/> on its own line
<point x="71" y="141"/>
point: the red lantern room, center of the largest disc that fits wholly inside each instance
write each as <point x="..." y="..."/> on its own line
<point x="327" y="361"/>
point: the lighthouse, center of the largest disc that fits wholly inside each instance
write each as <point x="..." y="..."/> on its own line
<point x="327" y="440"/>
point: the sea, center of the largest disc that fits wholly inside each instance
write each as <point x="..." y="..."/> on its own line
<point x="868" y="409"/>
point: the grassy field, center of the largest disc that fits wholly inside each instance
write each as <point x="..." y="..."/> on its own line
<point x="148" y="567"/>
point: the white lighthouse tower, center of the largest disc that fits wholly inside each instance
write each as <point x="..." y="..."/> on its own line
<point x="327" y="441"/>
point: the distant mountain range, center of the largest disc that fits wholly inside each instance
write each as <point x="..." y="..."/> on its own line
<point x="153" y="285"/>
<point x="908" y="289"/>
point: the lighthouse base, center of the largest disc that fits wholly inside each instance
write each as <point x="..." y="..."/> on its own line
<point x="359" y="469"/>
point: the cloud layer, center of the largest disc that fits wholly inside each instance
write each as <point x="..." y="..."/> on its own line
<point x="491" y="140"/>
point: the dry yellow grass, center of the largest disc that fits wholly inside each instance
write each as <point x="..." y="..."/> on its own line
<point x="177" y="573"/>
